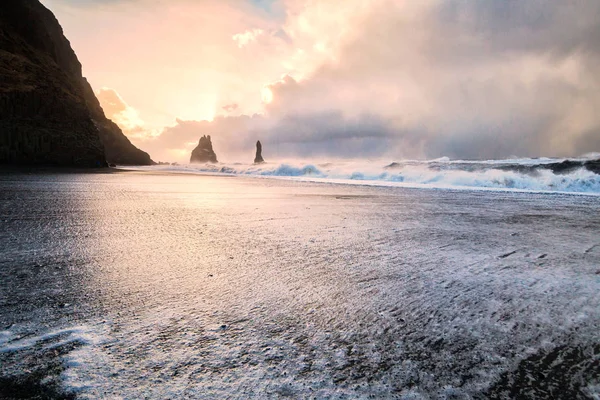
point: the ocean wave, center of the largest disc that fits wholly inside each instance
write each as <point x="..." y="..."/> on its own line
<point x="578" y="175"/>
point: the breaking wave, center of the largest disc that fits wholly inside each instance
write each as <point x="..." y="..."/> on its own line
<point x="579" y="175"/>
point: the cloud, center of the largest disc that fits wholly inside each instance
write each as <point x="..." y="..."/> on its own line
<point x="117" y="110"/>
<point x="230" y="107"/>
<point x="231" y="137"/>
<point x="359" y="78"/>
<point x="321" y="135"/>
<point x="474" y="79"/>
<point x="243" y="39"/>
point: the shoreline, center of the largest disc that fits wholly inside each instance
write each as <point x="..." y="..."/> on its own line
<point x="50" y="170"/>
<point x="363" y="183"/>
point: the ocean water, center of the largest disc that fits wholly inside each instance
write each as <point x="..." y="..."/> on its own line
<point x="153" y="284"/>
<point x="577" y="175"/>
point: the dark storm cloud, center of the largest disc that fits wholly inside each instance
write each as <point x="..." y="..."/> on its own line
<point x="474" y="79"/>
<point x="555" y="26"/>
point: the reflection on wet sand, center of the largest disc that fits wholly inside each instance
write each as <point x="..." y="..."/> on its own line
<point x="163" y="285"/>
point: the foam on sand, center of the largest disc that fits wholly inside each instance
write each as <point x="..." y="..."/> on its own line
<point x="75" y="349"/>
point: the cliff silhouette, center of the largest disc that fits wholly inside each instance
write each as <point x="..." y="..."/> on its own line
<point x="49" y="114"/>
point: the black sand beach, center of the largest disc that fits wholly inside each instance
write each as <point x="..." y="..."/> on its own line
<point x="137" y="285"/>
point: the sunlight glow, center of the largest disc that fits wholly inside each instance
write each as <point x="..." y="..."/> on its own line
<point x="266" y="95"/>
<point x="203" y="109"/>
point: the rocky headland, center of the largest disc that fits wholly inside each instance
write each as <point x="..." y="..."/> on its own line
<point x="49" y="114"/>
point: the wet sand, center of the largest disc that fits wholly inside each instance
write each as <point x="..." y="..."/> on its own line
<point x="187" y="286"/>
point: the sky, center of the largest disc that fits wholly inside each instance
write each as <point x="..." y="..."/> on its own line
<point x="394" y="79"/>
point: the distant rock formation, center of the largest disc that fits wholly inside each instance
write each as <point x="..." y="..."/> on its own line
<point x="204" y="152"/>
<point x="593" y="165"/>
<point x="258" y="159"/>
<point x="48" y="112"/>
<point x="563" y="167"/>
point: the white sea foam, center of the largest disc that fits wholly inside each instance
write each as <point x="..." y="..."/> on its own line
<point x="513" y="174"/>
<point x="81" y="335"/>
<point x="82" y="341"/>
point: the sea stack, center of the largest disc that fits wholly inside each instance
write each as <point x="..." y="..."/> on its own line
<point x="258" y="159"/>
<point x="49" y="114"/>
<point x="204" y="153"/>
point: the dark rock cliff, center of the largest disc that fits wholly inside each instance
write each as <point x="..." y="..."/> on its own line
<point x="204" y="152"/>
<point x="48" y="113"/>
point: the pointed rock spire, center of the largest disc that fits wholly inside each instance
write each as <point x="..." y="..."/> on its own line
<point x="258" y="159"/>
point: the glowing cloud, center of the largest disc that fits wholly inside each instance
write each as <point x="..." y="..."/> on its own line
<point x="117" y="110"/>
<point x="431" y="78"/>
<point x="243" y="39"/>
<point x="266" y="95"/>
<point x="230" y="107"/>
